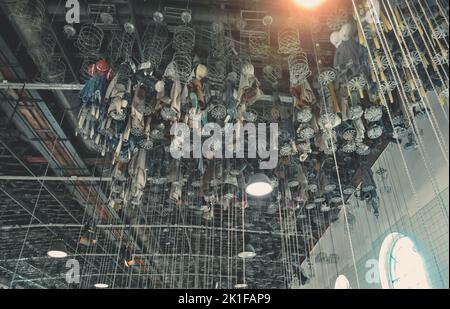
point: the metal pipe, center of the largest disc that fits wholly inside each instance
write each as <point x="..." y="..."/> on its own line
<point x="126" y="275"/>
<point x="23" y="278"/>
<point x="48" y="86"/>
<point x="40" y="86"/>
<point x="56" y="178"/>
<point x="151" y="226"/>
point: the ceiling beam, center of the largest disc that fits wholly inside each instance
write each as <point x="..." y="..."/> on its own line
<point x="22" y="278"/>
<point x="56" y="178"/>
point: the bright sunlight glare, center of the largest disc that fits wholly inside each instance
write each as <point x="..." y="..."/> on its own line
<point x="309" y="4"/>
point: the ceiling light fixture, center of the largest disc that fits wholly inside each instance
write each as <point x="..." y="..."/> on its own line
<point x="248" y="253"/>
<point x="101" y="286"/>
<point x="309" y="4"/>
<point x="259" y="185"/>
<point x="57" y="250"/>
<point x="240" y="286"/>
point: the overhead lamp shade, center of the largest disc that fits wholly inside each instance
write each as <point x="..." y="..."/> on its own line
<point x="248" y="253"/>
<point x="240" y="286"/>
<point x="259" y="185"/>
<point x="101" y="285"/>
<point x="309" y="4"/>
<point x="57" y="250"/>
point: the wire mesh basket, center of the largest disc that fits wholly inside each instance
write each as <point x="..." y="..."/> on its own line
<point x="31" y="13"/>
<point x="298" y="67"/>
<point x="155" y="36"/>
<point x="218" y="44"/>
<point x="183" y="65"/>
<point x="43" y="49"/>
<point x="259" y="44"/>
<point x="152" y="55"/>
<point x="55" y="71"/>
<point x="154" y="41"/>
<point x="89" y="39"/>
<point x="184" y="38"/>
<point x="216" y="70"/>
<point x="121" y="45"/>
<point x="288" y="40"/>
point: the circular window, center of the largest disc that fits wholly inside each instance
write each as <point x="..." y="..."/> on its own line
<point x="342" y="283"/>
<point x="401" y="266"/>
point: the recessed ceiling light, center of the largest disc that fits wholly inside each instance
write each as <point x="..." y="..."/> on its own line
<point x="101" y="285"/>
<point x="309" y="4"/>
<point x="57" y="254"/>
<point x="106" y="18"/>
<point x="158" y="17"/>
<point x="241" y="286"/>
<point x="259" y="186"/>
<point x="129" y="27"/>
<point x="267" y="20"/>
<point x="70" y="31"/>
<point x="57" y="250"/>
<point x="248" y="253"/>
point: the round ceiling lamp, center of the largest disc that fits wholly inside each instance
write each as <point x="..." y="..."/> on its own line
<point x="248" y="253"/>
<point x="70" y="31"/>
<point x="101" y="285"/>
<point x="259" y="185"/>
<point x="309" y="4"/>
<point x="240" y="286"/>
<point x="158" y="17"/>
<point x="57" y="250"/>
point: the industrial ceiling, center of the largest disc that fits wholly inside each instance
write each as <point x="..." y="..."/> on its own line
<point x="58" y="184"/>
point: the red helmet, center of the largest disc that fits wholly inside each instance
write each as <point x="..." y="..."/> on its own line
<point x="102" y="66"/>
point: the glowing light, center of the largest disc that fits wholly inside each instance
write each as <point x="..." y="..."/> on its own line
<point x="401" y="265"/>
<point x="342" y="283"/>
<point x="101" y="285"/>
<point x="57" y="254"/>
<point x="309" y="4"/>
<point x="57" y="250"/>
<point x="259" y="186"/>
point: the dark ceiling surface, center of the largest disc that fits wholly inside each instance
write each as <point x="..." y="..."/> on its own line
<point x="175" y="247"/>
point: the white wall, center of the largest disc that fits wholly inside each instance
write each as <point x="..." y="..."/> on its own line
<point x="423" y="216"/>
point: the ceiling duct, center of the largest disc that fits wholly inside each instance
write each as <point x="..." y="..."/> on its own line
<point x="174" y="14"/>
<point x="104" y="16"/>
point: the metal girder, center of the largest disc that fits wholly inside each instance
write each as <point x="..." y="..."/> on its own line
<point x="35" y="213"/>
<point x="62" y="49"/>
<point x="41" y="182"/>
<point x="128" y="275"/>
<point x="20" y="74"/>
<point x="23" y="279"/>
<point x="154" y="226"/>
<point x="40" y="86"/>
<point x="56" y="178"/>
<point x="47" y="86"/>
